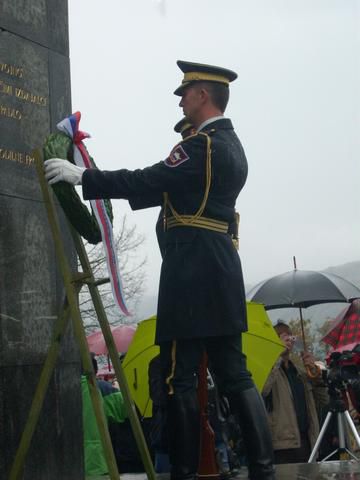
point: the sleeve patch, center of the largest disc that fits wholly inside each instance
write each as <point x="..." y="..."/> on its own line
<point x="176" y="157"/>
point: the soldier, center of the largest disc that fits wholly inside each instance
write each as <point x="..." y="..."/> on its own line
<point x="201" y="303"/>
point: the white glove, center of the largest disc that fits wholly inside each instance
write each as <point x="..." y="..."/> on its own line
<point x="57" y="170"/>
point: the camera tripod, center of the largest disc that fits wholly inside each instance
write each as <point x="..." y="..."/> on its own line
<point x="338" y="407"/>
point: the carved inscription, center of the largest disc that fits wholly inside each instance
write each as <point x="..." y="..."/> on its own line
<point x="10" y="112"/>
<point x="6" y="89"/>
<point x="21" y="94"/>
<point x="30" y="97"/>
<point x="9" y="92"/>
<point x="14" y="156"/>
<point x="11" y="70"/>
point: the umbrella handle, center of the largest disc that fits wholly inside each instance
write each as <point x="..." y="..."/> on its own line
<point x="314" y="371"/>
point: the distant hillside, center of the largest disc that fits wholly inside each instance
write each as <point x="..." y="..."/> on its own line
<point x="350" y="271"/>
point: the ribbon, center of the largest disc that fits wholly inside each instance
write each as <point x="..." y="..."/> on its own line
<point x="70" y="126"/>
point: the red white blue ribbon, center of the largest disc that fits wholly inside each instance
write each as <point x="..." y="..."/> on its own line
<point x="70" y="126"/>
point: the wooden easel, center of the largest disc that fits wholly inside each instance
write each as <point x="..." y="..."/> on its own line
<point x="73" y="284"/>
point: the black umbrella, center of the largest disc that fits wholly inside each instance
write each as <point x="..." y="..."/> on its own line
<point x="302" y="288"/>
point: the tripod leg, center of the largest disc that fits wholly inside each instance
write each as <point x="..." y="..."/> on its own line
<point x="330" y="455"/>
<point x="352" y="427"/>
<point x="341" y="431"/>
<point x="320" y="437"/>
<point x="343" y="451"/>
<point x="347" y="418"/>
<point x="343" y="444"/>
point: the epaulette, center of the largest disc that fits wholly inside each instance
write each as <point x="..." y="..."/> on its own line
<point x="196" y="134"/>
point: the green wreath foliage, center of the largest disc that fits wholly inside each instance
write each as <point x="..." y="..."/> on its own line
<point x="59" y="145"/>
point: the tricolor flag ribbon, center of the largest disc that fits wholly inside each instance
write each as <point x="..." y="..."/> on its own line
<point x="70" y="126"/>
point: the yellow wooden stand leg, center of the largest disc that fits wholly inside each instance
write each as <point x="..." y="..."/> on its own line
<point x="73" y="283"/>
<point x="101" y="314"/>
<point x="76" y="319"/>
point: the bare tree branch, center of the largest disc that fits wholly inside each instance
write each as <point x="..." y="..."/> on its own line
<point x="128" y="243"/>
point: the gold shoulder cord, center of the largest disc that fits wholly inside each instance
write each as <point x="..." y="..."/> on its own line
<point x="188" y="220"/>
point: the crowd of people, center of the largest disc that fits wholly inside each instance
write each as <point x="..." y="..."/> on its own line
<point x="296" y="403"/>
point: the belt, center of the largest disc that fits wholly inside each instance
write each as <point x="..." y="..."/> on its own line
<point x="197" y="222"/>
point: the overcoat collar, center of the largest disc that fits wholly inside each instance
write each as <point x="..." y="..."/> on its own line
<point x="221" y="124"/>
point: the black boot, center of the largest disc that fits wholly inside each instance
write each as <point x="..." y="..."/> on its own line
<point x="256" y="433"/>
<point x="184" y="435"/>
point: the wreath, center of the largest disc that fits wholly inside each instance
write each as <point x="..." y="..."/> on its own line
<point x="59" y="145"/>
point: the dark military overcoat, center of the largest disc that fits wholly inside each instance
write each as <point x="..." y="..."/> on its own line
<point x="201" y="290"/>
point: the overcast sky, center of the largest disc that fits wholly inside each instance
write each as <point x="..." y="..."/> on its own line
<point x="295" y="107"/>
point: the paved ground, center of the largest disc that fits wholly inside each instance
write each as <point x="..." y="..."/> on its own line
<point x="345" y="470"/>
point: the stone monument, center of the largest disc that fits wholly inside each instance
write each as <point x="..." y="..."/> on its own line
<point x="34" y="96"/>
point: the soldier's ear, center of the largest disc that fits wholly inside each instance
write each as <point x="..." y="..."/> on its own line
<point x="204" y="94"/>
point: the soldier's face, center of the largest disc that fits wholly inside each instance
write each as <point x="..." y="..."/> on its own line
<point x="191" y="102"/>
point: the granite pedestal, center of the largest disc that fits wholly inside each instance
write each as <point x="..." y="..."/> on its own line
<point x="34" y="96"/>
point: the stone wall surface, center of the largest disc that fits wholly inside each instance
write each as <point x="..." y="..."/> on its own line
<point x="34" y="96"/>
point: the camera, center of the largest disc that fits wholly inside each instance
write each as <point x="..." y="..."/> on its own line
<point x="344" y="366"/>
<point x="343" y="375"/>
<point x="342" y="379"/>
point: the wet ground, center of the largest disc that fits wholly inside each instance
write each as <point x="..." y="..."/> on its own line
<point x="345" y="470"/>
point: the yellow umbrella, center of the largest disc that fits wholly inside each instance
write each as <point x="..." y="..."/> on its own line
<point x="141" y="351"/>
<point x="261" y="345"/>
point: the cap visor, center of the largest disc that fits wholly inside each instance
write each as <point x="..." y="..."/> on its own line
<point x="180" y="90"/>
